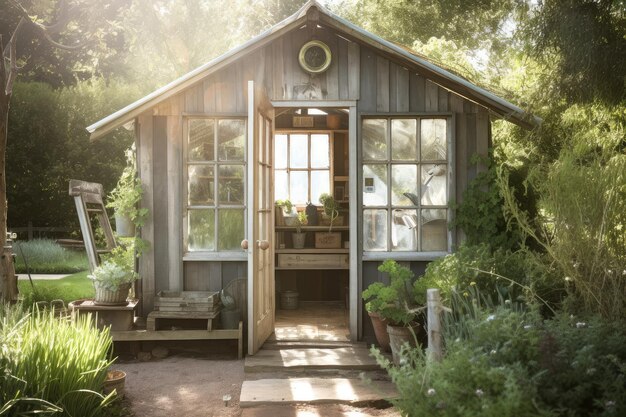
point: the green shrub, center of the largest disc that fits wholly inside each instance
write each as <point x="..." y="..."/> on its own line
<point x="44" y="256"/>
<point x="52" y="365"/>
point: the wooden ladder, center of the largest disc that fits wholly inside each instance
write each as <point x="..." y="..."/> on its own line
<point x="88" y="200"/>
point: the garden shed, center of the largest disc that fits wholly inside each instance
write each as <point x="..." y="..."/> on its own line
<point x="313" y="105"/>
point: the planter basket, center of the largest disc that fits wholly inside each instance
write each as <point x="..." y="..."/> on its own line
<point x="106" y="297"/>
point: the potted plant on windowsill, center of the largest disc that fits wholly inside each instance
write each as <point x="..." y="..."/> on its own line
<point x="395" y="305"/>
<point x="125" y="199"/>
<point x="286" y="214"/>
<point x="299" y="236"/>
<point x="330" y="212"/>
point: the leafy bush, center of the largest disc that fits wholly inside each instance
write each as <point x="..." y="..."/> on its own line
<point x="44" y="256"/>
<point x="52" y="365"/>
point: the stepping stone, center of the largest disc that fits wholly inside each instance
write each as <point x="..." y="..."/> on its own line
<point x="314" y="391"/>
<point x="311" y="344"/>
<point x="311" y="359"/>
<point x="325" y="410"/>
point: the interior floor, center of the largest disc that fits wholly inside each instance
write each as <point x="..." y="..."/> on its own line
<point x="320" y="321"/>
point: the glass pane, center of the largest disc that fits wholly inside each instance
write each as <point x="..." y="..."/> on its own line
<point x="200" y="187"/>
<point x="320" y="156"/>
<point x="375" y="230"/>
<point x="375" y="185"/>
<point x="434" y="230"/>
<point x="404" y="230"/>
<point x="434" y="190"/>
<point x="201" y="230"/>
<point x="298" y="151"/>
<point x="374" y="139"/>
<point x="404" y="185"/>
<point x="433" y="136"/>
<point x="404" y="139"/>
<point x="280" y="149"/>
<point x="299" y="187"/>
<point x="230" y="184"/>
<point x="281" y="192"/>
<point x="230" y="229"/>
<point x="320" y="183"/>
<point x="201" y="140"/>
<point x="231" y="134"/>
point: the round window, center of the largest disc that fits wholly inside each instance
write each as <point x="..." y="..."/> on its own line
<point x="315" y="57"/>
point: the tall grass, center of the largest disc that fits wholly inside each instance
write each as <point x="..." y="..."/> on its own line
<point x="44" y="256"/>
<point x="50" y="365"/>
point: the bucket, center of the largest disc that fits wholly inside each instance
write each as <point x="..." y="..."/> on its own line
<point x="230" y="318"/>
<point x="289" y="300"/>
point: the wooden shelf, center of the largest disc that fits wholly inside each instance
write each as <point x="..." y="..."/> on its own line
<point x="300" y="268"/>
<point x="341" y="178"/>
<point x="313" y="228"/>
<point x="313" y="250"/>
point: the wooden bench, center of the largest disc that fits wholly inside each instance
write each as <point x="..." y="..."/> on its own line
<point x="181" y="315"/>
<point x="163" y="335"/>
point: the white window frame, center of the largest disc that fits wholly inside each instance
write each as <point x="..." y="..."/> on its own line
<point x="216" y="254"/>
<point x="389" y="162"/>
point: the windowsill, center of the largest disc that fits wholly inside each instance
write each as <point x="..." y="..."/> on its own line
<point x="215" y="256"/>
<point x="404" y="256"/>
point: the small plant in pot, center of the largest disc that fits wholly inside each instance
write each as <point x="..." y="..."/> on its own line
<point x="395" y="305"/>
<point x="330" y="209"/>
<point x="299" y="236"/>
<point x="125" y="199"/>
<point x="113" y="278"/>
<point x="289" y="214"/>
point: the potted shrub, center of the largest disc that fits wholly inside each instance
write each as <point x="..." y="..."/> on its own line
<point x="287" y="213"/>
<point x="330" y="212"/>
<point x="395" y="304"/>
<point x="299" y="236"/>
<point x="125" y="199"/>
<point x="113" y="278"/>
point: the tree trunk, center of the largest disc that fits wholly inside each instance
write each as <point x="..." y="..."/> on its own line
<point x="8" y="280"/>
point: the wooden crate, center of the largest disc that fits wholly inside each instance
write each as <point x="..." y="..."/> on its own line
<point x="186" y="301"/>
<point x="313" y="261"/>
<point x="325" y="240"/>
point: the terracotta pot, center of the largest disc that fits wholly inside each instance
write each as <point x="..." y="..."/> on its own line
<point x="116" y="380"/>
<point x="380" y="330"/>
<point x="399" y="336"/>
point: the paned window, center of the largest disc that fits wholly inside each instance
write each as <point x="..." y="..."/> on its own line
<point x="405" y="184"/>
<point x="302" y="166"/>
<point x="216" y="172"/>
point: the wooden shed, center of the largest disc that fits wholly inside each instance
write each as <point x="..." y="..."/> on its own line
<point x="314" y="105"/>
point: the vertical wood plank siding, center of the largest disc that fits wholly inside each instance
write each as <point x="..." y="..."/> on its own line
<point x="356" y="73"/>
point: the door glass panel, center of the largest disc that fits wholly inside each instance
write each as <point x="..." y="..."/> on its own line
<point x="404" y="139"/>
<point x="201" y="229"/>
<point x="230" y="185"/>
<point x="299" y="151"/>
<point x="375" y="230"/>
<point x="404" y="185"/>
<point x="374" y="139"/>
<point x="280" y="150"/>
<point x="201" y="140"/>
<point x="320" y="183"/>
<point x="200" y="185"/>
<point x="281" y="192"/>
<point x="230" y="225"/>
<point x="231" y="139"/>
<point x="320" y="156"/>
<point x="404" y="230"/>
<point x="434" y="181"/>
<point x="374" y="185"/>
<point x="434" y="230"/>
<point x="299" y="186"/>
<point x="433" y="137"/>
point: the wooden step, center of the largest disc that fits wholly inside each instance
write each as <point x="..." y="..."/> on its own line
<point x="314" y="391"/>
<point x="325" y="410"/>
<point x="347" y="358"/>
<point x="311" y="344"/>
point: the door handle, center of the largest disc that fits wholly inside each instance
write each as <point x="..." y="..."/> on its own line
<point x="244" y="244"/>
<point x="263" y="244"/>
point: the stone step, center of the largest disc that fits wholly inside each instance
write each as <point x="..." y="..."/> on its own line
<point x="352" y="358"/>
<point x="310" y="344"/>
<point x="325" y="410"/>
<point x="314" y="391"/>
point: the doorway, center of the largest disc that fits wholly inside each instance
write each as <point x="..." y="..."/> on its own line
<point x="312" y="265"/>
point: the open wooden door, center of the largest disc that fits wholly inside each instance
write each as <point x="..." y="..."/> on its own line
<point x="260" y="219"/>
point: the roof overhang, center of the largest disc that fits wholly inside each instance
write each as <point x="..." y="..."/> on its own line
<point x="436" y="74"/>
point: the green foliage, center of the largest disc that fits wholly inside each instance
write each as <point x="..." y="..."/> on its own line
<point x="52" y="365"/>
<point x="301" y="220"/>
<point x="330" y="207"/>
<point x="394" y="302"/>
<point x="286" y="205"/>
<point x="127" y="194"/>
<point x="68" y="289"/>
<point x="44" y="256"/>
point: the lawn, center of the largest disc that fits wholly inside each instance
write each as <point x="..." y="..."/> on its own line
<point x="70" y="288"/>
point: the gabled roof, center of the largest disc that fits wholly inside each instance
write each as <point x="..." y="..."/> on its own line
<point x="436" y="74"/>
